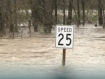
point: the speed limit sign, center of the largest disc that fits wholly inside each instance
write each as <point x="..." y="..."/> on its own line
<point x="64" y="36"/>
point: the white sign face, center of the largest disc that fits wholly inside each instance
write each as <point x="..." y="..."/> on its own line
<point x="64" y="36"/>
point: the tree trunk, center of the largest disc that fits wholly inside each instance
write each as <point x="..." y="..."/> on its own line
<point x="70" y="12"/>
<point x="83" y="9"/>
<point x="10" y="10"/>
<point x="1" y="24"/>
<point x="1" y="18"/>
<point x="100" y="18"/>
<point x="48" y="16"/>
<point x="15" y="13"/>
<point x="78" y="12"/>
<point x="64" y="15"/>
<point x="10" y="17"/>
<point x="55" y="1"/>
<point x="103" y="18"/>
<point x="35" y="15"/>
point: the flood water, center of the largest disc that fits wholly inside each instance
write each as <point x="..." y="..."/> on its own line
<point x="37" y="55"/>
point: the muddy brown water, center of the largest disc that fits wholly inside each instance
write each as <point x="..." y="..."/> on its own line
<point x="39" y="55"/>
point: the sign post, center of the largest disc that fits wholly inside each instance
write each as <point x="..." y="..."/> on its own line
<point x="64" y="39"/>
<point x="64" y="57"/>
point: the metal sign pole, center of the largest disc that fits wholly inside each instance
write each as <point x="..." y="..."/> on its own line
<point x="64" y="57"/>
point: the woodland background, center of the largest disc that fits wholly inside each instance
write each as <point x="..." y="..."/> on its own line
<point x="31" y="14"/>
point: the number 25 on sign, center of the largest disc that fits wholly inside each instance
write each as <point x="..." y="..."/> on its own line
<point x="64" y="36"/>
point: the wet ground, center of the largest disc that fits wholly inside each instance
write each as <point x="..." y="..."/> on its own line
<point x="38" y="55"/>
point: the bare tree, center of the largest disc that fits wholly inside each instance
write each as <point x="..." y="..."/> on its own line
<point x="35" y="15"/>
<point x="100" y="18"/>
<point x="15" y="15"/>
<point x="10" y="18"/>
<point x="48" y="16"/>
<point x="1" y="18"/>
<point x="56" y="1"/>
<point x="83" y="9"/>
<point x="64" y="15"/>
<point x="70" y="12"/>
<point x="78" y="12"/>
